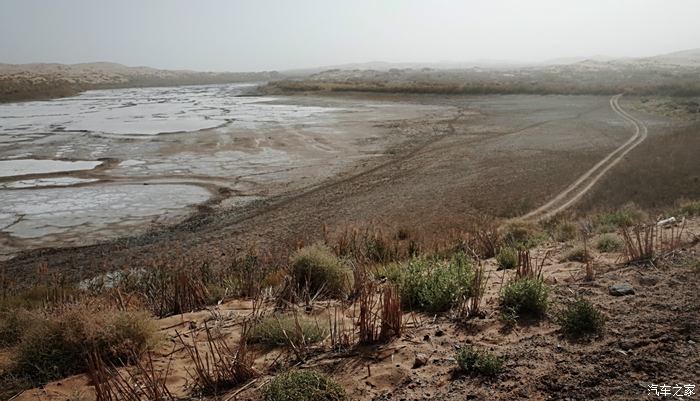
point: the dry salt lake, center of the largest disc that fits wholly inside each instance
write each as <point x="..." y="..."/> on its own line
<point x="112" y="163"/>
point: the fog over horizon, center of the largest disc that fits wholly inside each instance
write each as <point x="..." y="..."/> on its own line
<point x="219" y="35"/>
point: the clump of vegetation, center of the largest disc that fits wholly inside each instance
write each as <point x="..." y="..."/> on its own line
<point x="433" y="285"/>
<point x="526" y="296"/>
<point x="507" y="258"/>
<point x="520" y="234"/>
<point x="566" y="231"/>
<point x="304" y="385"/>
<point x="479" y="362"/>
<point x="276" y="330"/>
<point x="609" y="243"/>
<point x="580" y="317"/>
<point x="690" y="208"/>
<point x="13" y="323"/>
<point x="626" y="216"/>
<point x="372" y="244"/>
<point x="316" y="269"/>
<point x="55" y="346"/>
<point x="509" y="318"/>
<point x="577" y="254"/>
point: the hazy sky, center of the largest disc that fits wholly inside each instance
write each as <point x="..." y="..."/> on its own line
<point x="242" y="35"/>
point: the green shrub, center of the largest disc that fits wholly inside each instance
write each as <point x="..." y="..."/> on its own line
<point x="626" y="216"/>
<point x="690" y="208"/>
<point x="526" y="296"/>
<point x="507" y="258"/>
<point x="520" y="234"/>
<point x="433" y="285"/>
<point x="609" y="243"/>
<point x="479" y="362"/>
<point x="56" y="346"/>
<point x="318" y="269"/>
<point x="304" y="385"/>
<point x="272" y="328"/>
<point x="576" y="254"/>
<point x="580" y="317"/>
<point x="509" y="318"/>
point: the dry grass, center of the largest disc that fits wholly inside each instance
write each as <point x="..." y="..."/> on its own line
<point x="472" y="305"/>
<point x="217" y="366"/>
<point x="380" y="318"/>
<point x="55" y="343"/>
<point x="142" y="383"/>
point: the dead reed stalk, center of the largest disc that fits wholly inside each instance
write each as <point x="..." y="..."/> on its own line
<point x="217" y="366"/>
<point x="142" y="383"/>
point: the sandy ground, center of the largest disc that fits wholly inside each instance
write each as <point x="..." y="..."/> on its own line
<point x="651" y="337"/>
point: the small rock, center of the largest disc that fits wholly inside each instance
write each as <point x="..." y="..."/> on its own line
<point x="621" y="289"/>
<point x="421" y="360"/>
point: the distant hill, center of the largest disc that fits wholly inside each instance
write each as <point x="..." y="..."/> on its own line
<point x="48" y="80"/>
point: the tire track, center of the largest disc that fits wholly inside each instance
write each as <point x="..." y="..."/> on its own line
<point x="587" y="180"/>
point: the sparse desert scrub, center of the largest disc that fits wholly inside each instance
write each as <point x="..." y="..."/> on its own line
<point x="609" y="243"/>
<point x="525" y="297"/>
<point x="56" y="345"/>
<point x="520" y="234"/>
<point x="373" y="244"/>
<point x="640" y="242"/>
<point x="316" y="270"/>
<point x="380" y="317"/>
<point x="278" y="330"/>
<point x="13" y="323"/>
<point x="690" y="208"/>
<point x="566" y="231"/>
<point x="580" y="317"/>
<point x="170" y="285"/>
<point x="471" y="360"/>
<point x="218" y="366"/>
<point x="507" y="258"/>
<point x="433" y="285"/>
<point x="577" y="254"/>
<point x="303" y="385"/>
<point x="627" y="215"/>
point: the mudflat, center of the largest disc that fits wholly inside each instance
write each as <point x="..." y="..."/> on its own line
<point x="281" y="170"/>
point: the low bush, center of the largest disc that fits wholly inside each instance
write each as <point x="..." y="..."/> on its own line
<point x="316" y="269"/>
<point x="519" y="234"/>
<point x="580" y="317"/>
<point x="13" y="323"/>
<point x="690" y="208"/>
<point x="525" y="296"/>
<point x="609" y="243"/>
<point x="507" y="258"/>
<point x="56" y="346"/>
<point x="628" y="215"/>
<point x="566" y="231"/>
<point x="577" y="254"/>
<point x="433" y="285"/>
<point x="484" y="363"/>
<point x="303" y="385"/>
<point x="278" y="330"/>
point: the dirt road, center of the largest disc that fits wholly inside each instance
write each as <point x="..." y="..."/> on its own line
<point x="586" y="181"/>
